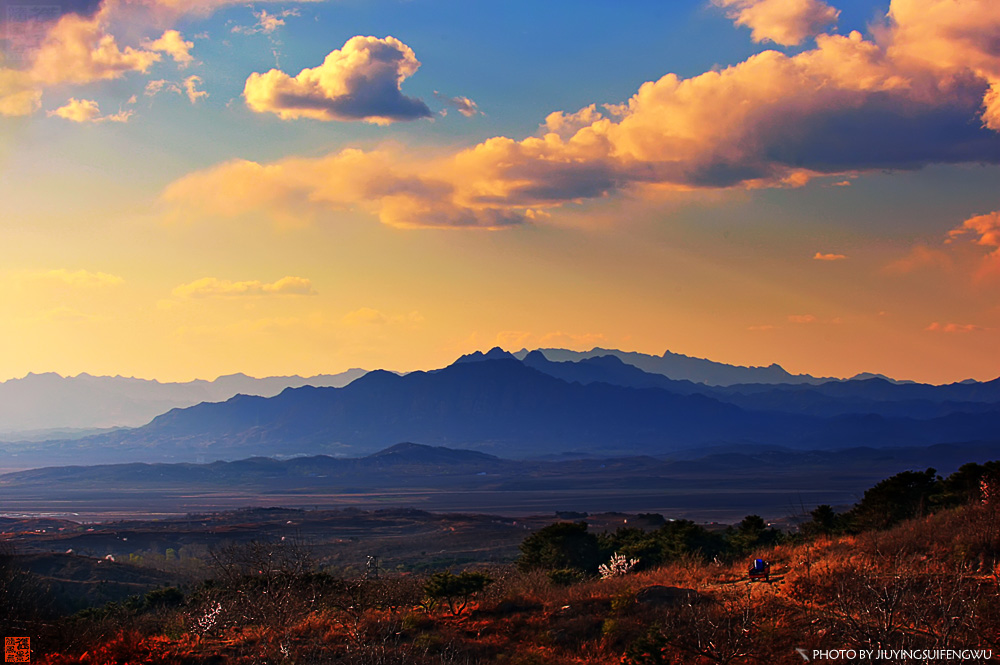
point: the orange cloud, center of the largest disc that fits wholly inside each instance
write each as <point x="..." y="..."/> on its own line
<point x="785" y="22"/>
<point x="951" y="38"/>
<point x="952" y="327"/>
<point x="986" y="231"/>
<point x="819" y="256"/>
<point x="79" y="50"/>
<point x="566" y="125"/>
<point x="765" y="122"/>
<point x="360" y="81"/>
<point x="801" y="318"/>
<point x="986" y="228"/>
<point x="401" y="193"/>
<point x="87" y="110"/>
<point x="209" y="287"/>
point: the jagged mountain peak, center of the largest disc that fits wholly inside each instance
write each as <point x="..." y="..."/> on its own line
<point x="496" y="353"/>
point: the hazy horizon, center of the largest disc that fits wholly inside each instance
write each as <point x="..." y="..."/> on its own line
<point x="433" y="367"/>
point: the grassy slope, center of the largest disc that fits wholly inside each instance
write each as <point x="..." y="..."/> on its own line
<point x="928" y="583"/>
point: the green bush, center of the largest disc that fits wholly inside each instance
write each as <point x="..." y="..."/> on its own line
<point x="456" y="590"/>
<point x="564" y="545"/>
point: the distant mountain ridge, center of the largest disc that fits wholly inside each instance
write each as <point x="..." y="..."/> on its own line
<point x="680" y="367"/>
<point x="49" y="401"/>
<point x="764" y="480"/>
<point x="502" y="406"/>
<point x="494" y="403"/>
<point x="40" y="406"/>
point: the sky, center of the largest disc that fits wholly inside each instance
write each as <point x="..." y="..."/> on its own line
<point x="191" y="188"/>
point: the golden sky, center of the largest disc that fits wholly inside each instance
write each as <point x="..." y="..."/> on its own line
<point x="194" y="188"/>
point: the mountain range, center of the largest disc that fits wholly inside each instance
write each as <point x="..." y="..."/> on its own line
<point x="681" y="367"/>
<point x="52" y="402"/>
<point x="50" y="406"/>
<point x="767" y="480"/>
<point x="532" y="407"/>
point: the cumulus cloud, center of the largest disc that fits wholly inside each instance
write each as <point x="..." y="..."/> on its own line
<point x="87" y="110"/>
<point x="173" y="44"/>
<point x="819" y="256"/>
<point x="75" y="46"/>
<point x="79" y="50"/>
<point x="209" y="287"/>
<point x="785" y="22"/>
<point x="566" y="125"/>
<point x="463" y="105"/>
<point x="952" y="38"/>
<point x="360" y="81"/>
<point x="847" y="106"/>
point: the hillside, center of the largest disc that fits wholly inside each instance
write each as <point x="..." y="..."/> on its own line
<point x="929" y="583"/>
<point x="717" y="485"/>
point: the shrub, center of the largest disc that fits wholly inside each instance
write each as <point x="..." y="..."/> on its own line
<point x="904" y="496"/>
<point x="456" y="590"/>
<point x="565" y="576"/>
<point x="561" y="545"/>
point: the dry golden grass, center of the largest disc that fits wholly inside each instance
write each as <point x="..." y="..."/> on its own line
<point x="929" y="583"/>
